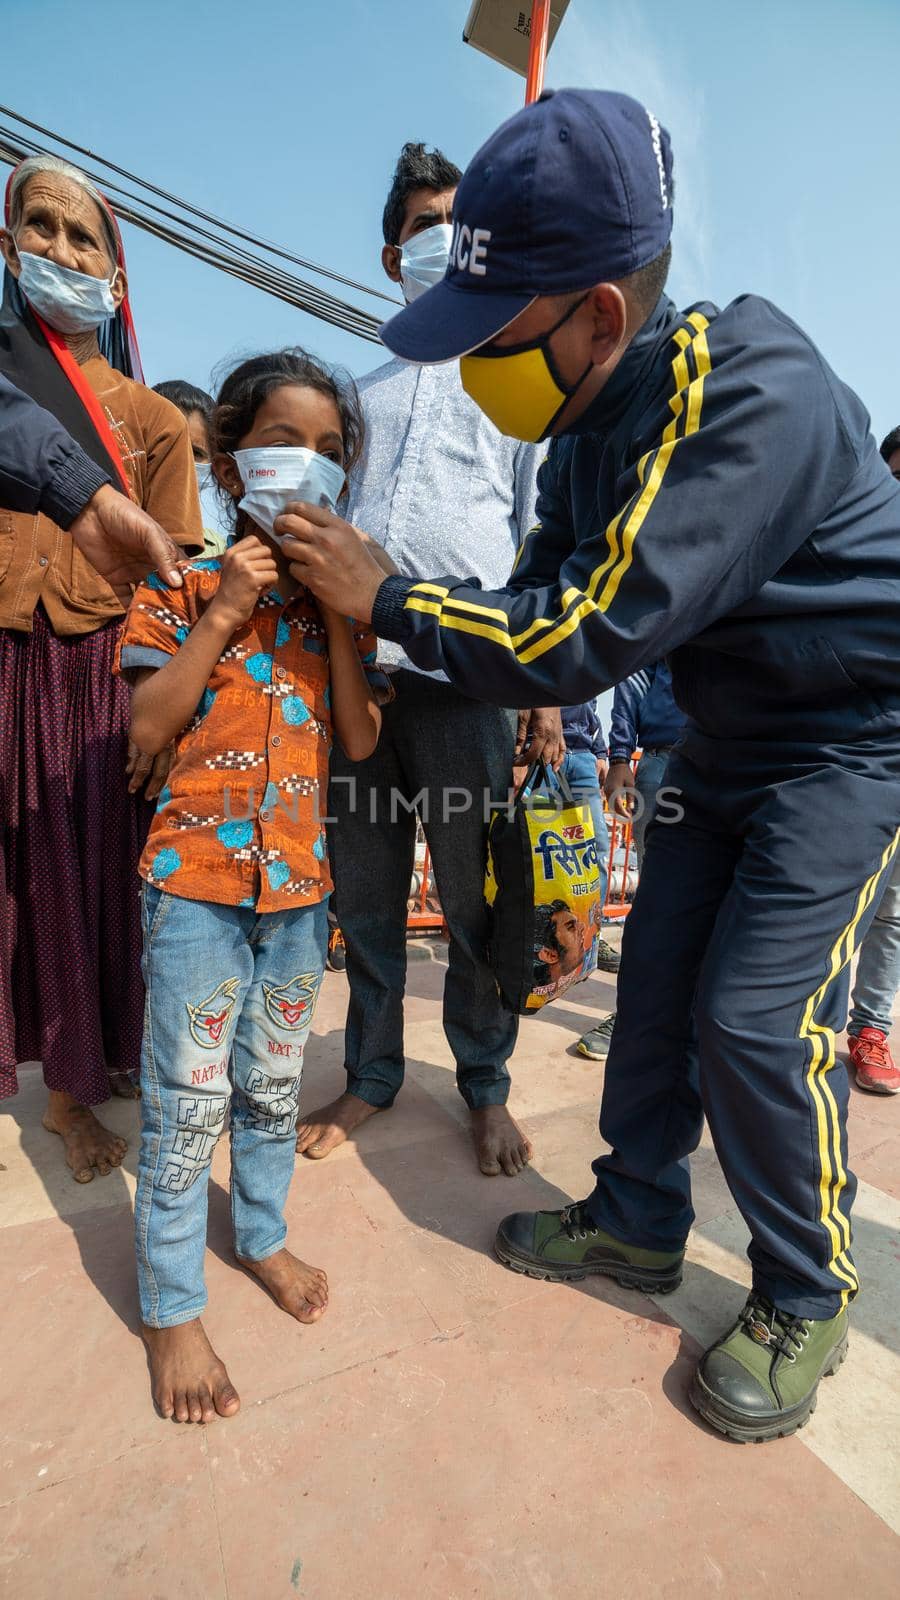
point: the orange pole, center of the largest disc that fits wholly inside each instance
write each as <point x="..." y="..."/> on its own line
<point x="537" y="49"/>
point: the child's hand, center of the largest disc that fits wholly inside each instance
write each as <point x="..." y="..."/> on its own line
<point x="147" y="769"/>
<point x="248" y="569"/>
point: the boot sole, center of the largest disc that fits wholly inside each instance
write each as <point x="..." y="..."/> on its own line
<point x="647" y="1279"/>
<point x="734" y="1424"/>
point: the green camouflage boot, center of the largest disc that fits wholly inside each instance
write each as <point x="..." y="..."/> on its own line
<point x="566" y="1246"/>
<point x="760" y="1380"/>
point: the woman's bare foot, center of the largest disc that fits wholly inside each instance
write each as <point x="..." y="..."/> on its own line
<point x="88" y="1144"/>
<point x="323" y="1131"/>
<point x="300" y="1290"/>
<point x="187" y="1378"/>
<point x="500" y="1144"/>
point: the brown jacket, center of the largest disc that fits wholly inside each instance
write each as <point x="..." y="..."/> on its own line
<point x="38" y="560"/>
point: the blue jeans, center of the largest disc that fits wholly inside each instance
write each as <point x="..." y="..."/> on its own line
<point x="579" y="768"/>
<point x="648" y="780"/>
<point x="230" y="1000"/>
<point x="878" y="972"/>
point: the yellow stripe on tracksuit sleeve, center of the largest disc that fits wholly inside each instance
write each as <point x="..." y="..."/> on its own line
<point x="521" y="550"/>
<point x="833" y="1178"/>
<point x="492" y="623"/>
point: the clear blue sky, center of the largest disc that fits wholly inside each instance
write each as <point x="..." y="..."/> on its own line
<point x="287" y="116"/>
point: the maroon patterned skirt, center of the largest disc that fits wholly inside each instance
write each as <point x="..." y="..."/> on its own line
<point x="71" y="992"/>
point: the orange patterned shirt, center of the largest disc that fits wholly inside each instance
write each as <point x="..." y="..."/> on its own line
<point x="239" y="822"/>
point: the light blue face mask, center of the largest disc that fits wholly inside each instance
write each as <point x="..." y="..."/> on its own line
<point x="274" y="476"/>
<point x="72" y="302"/>
<point x="212" y="513"/>
<point x="423" y="259"/>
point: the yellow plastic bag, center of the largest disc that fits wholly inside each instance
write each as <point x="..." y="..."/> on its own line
<point x="542" y="887"/>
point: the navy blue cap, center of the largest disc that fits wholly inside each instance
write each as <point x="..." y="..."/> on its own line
<point x="573" y="190"/>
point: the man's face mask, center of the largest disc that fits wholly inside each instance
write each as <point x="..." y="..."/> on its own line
<point x="275" y="476"/>
<point x="423" y="259"/>
<point x="519" y="388"/>
<point x="71" y="302"/>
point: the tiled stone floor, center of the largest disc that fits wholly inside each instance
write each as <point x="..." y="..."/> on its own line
<point x="450" y="1431"/>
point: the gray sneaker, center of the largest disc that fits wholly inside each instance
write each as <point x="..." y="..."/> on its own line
<point x="595" y="1043"/>
<point x="607" y="957"/>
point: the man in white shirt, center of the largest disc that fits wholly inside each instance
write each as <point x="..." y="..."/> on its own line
<point x="440" y="489"/>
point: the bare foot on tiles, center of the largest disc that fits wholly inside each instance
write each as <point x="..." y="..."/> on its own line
<point x="188" y="1380"/>
<point x="324" y="1130"/>
<point x="299" y="1290"/>
<point x="89" y="1146"/>
<point x="500" y="1144"/>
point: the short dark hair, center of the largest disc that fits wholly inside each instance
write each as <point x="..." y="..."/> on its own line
<point x="417" y="168"/>
<point x="648" y="283"/>
<point x="245" y="389"/>
<point x="186" y="396"/>
<point x="890" y="444"/>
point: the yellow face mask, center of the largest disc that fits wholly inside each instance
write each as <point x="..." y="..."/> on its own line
<point x="519" y="388"/>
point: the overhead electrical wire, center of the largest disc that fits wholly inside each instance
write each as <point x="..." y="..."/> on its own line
<point x="207" y="243"/>
<point x="221" y="253"/>
<point x="185" y="205"/>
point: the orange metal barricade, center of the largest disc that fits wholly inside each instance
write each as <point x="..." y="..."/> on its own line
<point x="618" y="904"/>
<point x="421" y="916"/>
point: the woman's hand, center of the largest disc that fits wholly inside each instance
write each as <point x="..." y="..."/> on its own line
<point x="146" y="769"/>
<point x="248" y="569"/>
<point x="123" y="543"/>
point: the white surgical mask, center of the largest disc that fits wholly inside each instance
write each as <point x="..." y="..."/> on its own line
<point x="72" y="302"/>
<point x="275" y="476"/>
<point x="423" y="259"/>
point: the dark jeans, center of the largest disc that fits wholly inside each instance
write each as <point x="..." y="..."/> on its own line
<point x="439" y="744"/>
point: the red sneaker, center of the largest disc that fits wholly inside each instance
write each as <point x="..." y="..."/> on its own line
<point x="871" y="1059"/>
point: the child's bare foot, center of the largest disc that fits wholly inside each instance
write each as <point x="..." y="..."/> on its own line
<point x="88" y="1144"/>
<point x="300" y="1290"/>
<point x="500" y="1144"/>
<point x="188" y="1380"/>
<point x="323" y="1131"/>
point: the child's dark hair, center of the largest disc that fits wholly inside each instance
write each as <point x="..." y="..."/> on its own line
<point x="186" y="396"/>
<point x="249" y="385"/>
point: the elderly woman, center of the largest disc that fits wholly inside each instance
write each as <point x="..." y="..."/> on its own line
<point x="71" y="825"/>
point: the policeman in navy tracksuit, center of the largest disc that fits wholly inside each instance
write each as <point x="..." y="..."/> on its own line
<point x="712" y="495"/>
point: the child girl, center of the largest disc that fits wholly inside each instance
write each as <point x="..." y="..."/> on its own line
<point x="247" y="674"/>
